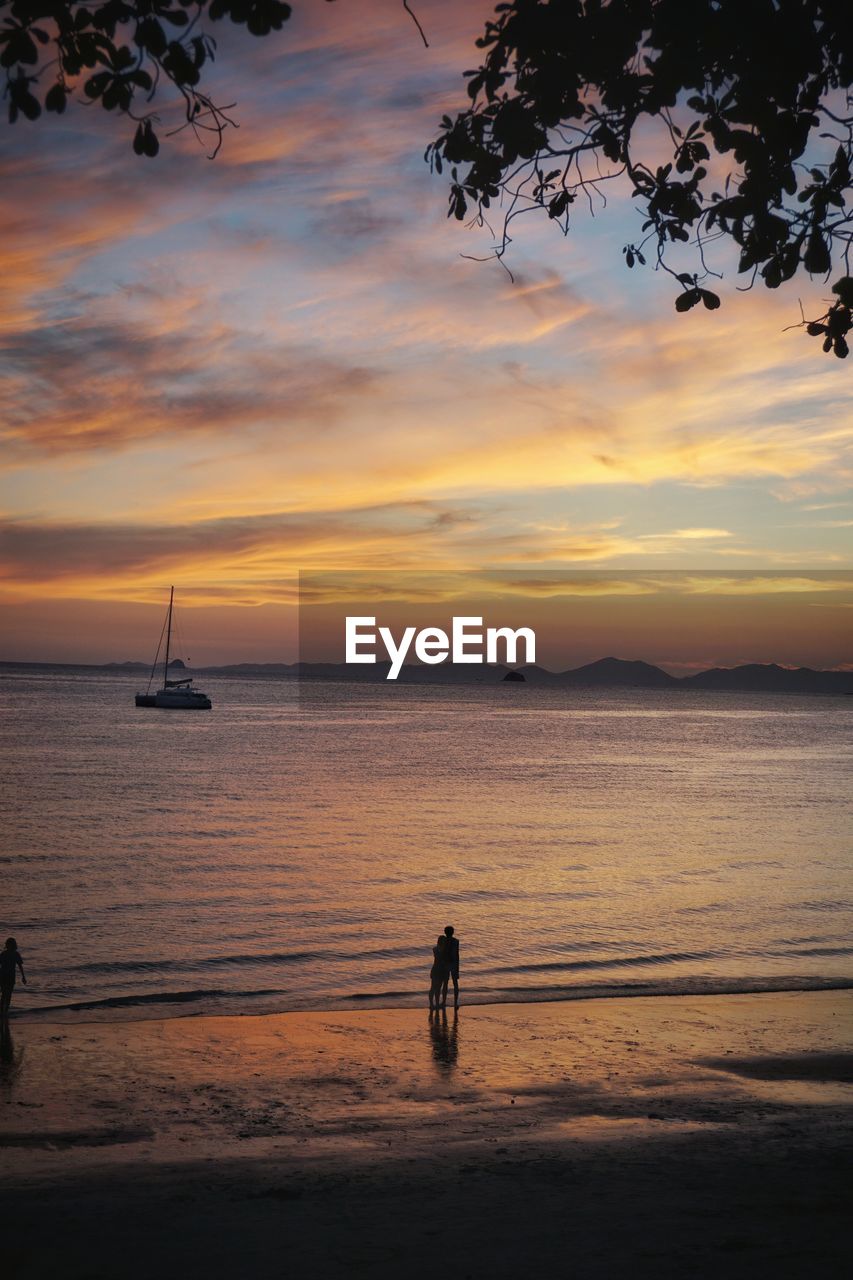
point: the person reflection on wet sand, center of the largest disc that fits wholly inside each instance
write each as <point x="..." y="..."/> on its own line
<point x="10" y="1062"/>
<point x="445" y="1038"/>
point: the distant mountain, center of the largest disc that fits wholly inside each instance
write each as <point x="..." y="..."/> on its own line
<point x="618" y="672"/>
<point x="613" y="673"/>
<point x="755" y="677"/>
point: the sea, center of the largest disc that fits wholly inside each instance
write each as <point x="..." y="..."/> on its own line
<point x="296" y="849"/>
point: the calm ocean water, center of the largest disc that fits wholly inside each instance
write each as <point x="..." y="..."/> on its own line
<point x="276" y="854"/>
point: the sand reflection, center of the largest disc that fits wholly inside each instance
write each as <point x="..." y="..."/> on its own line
<point x="444" y="1035"/>
<point x="11" y="1059"/>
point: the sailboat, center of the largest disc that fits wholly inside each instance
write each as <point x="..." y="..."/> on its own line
<point x="176" y="695"/>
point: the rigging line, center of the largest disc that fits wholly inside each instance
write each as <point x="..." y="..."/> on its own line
<point x="179" y="635"/>
<point x="156" y="655"/>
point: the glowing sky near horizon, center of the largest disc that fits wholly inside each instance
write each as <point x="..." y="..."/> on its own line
<point x="219" y="373"/>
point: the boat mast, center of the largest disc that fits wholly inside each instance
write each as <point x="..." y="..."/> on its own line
<point x="168" y="637"/>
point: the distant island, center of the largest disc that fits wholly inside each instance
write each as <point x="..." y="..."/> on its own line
<point x="606" y="673"/>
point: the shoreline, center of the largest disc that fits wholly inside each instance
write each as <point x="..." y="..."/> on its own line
<point x="152" y="1007"/>
<point x="662" y="1137"/>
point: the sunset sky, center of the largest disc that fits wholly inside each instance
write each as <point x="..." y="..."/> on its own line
<point x="217" y="373"/>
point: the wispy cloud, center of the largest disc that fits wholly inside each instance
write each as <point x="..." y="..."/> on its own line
<point x="95" y="381"/>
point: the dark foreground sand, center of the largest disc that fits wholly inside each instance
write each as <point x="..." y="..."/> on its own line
<point x="685" y="1136"/>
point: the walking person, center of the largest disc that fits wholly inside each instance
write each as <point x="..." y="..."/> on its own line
<point x="10" y="960"/>
<point x="452" y="961"/>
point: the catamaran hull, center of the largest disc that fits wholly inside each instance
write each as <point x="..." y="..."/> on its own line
<point x="173" y="702"/>
<point x="182" y="701"/>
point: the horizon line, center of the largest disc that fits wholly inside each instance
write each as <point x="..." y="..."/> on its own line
<point x="418" y="666"/>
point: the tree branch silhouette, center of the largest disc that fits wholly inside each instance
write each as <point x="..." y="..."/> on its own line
<point x="740" y="93"/>
<point x="120" y="53"/>
<point x="751" y="98"/>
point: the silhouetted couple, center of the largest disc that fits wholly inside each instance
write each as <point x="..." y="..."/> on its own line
<point x="445" y="965"/>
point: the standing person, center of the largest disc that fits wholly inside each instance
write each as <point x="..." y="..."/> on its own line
<point x="10" y="958"/>
<point x="439" y="972"/>
<point x="452" y="966"/>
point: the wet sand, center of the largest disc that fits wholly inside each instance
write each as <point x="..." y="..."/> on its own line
<point x="667" y="1136"/>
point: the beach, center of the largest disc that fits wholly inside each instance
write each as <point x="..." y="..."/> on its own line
<point x="652" y="1136"/>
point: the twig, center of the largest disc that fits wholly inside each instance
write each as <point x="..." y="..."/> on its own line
<point x="417" y="24"/>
